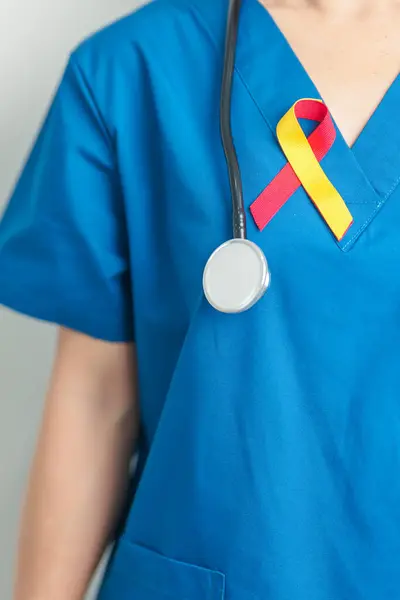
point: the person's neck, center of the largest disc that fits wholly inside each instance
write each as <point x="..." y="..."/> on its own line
<point x="338" y="7"/>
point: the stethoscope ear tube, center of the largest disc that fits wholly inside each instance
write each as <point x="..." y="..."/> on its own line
<point x="235" y="180"/>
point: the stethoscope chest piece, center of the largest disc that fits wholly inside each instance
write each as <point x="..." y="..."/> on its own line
<point x="236" y="276"/>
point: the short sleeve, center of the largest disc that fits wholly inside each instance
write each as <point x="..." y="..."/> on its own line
<point x="63" y="238"/>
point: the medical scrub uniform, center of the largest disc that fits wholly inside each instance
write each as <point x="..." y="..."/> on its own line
<point x="269" y="458"/>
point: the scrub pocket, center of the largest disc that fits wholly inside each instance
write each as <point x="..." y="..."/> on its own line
<point x="137" y="573"/>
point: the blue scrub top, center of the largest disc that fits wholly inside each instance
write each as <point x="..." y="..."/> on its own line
<point x="269" y="458"/>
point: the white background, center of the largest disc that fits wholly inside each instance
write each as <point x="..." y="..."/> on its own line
<point x="35" y="40"/>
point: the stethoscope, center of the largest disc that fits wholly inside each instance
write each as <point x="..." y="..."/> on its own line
<point x="236" y="275"/>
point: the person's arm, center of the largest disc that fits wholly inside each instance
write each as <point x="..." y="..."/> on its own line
<point x="80" y="473"/>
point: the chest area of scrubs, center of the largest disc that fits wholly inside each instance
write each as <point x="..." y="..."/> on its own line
<point x="186" y="208"/>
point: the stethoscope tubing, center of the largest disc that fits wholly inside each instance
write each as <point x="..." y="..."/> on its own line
<point x="235" y="180"/>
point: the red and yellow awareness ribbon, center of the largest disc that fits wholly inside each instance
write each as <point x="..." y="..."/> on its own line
<point x="304" y="169"/>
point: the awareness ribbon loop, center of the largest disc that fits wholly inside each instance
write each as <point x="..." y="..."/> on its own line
<point x="304" y="169"/>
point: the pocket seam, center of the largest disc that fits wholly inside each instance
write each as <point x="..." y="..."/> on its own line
<point x="216" y="581"/>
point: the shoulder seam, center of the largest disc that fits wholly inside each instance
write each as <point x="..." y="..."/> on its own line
<point x="102" y="121"/>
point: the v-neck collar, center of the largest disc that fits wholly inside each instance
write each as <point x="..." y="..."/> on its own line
<point x="275" y="78"/>
<point x="381" y="135"/>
